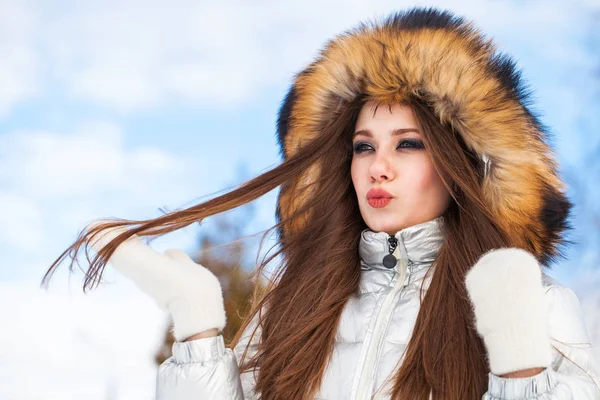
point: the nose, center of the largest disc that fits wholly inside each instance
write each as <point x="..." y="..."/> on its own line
<point x="381" y="168"/>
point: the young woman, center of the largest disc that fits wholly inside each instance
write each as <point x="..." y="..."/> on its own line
<point x="419" y="207"/>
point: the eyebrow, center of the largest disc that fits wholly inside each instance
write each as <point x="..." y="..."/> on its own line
<point x="394" y="132"/>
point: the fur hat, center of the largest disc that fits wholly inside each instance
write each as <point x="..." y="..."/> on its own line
<point x="434" y="55"/>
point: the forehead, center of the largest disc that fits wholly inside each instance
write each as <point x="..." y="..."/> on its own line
<point x="377" y="116"/>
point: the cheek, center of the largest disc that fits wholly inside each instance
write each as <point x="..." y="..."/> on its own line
<point x="425" y="179"/>
<point x="354" y="173"/>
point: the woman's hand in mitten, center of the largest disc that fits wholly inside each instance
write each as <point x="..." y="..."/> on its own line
<point x="190" y="292"/>
<point x="507" y="294"/>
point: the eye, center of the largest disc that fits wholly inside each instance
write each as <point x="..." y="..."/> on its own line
<point x="416" y="144"/>
<point x="361" y="147"/>
<point x="411" y="144"/>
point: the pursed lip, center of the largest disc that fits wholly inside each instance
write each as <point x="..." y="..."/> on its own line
<point x="378" y="194"/>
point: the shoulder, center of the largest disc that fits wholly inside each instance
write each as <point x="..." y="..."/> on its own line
<point x="565" y="318"/>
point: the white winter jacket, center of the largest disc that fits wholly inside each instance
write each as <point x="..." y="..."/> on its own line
<point x="373" y="333"/>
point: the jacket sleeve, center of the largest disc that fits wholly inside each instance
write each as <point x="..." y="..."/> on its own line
<point x="206" y="369"/>
<point x="573" y="374"/>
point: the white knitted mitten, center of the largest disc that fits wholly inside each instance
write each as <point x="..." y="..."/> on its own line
<point x="190" y="292"/>
<point x="508" y="298"/>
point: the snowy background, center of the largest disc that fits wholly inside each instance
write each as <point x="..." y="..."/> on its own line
<point x="117" y="108"/>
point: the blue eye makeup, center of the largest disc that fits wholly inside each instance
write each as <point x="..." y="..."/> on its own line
<point x="412" y="143"/>
<point x="416" y="144"/>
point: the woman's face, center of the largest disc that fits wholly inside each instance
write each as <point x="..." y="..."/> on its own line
<point x="389" y="155"/>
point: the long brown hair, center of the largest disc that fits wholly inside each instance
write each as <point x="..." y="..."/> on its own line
<point x="320" y="270"/>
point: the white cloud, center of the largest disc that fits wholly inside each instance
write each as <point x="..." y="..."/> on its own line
<point x="87" y="162"/>
<point x="21" y="222"/>
<point x="123" y="88"/>
<point x="18" y="65"/>
<point x="133" y="55"/>
<point x="76" y="346"/>
<point x="53" y="183"/>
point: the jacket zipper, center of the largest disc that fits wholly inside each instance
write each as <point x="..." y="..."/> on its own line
<point x="367" y="380"/>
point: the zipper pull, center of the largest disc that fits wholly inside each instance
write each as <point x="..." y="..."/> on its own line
<point x="389" y="261"/>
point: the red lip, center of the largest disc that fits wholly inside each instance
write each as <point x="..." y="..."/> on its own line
<point x="378" y="194"/>
<point x="378" y="198"/>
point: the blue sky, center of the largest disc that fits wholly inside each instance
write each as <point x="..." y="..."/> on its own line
<point x="117" y="108"/>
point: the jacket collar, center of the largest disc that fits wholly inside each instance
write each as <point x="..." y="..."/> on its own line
<point x="418" y="245"/>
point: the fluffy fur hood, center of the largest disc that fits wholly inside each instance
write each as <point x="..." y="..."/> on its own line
<point x="445" y="60"/>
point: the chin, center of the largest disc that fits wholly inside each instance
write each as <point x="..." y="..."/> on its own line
<point x="380" y="225"/>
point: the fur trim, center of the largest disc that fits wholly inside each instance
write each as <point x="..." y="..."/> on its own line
<point x="436" y="56"/>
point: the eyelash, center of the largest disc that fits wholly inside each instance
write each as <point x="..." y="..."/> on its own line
<point x="415" y="145"/>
